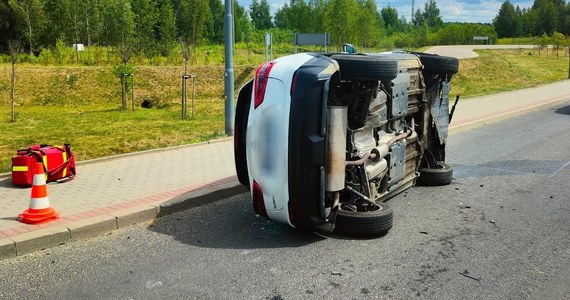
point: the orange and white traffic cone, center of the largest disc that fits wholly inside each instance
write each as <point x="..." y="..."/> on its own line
<point x="39" y="210"/>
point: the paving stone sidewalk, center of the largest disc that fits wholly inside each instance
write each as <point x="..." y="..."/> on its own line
<point x="111" y="193"/>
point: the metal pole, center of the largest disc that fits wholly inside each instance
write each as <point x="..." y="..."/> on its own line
<point x="133" y="91"/>
<point x="193" y="93"/>
<point x="568" y="61"/>
<point x="184" y="77"/>
<point x="229" y="74"/>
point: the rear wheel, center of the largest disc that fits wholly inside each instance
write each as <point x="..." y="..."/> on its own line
<point x="373" y="222"/>
<point x="362" y="67"/>
<point x="440" y="175"/>
<point x="434" y="63"/>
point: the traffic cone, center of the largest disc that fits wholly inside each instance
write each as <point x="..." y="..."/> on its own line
<point x="39" y="210"/>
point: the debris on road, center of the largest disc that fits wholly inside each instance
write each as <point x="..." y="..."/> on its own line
<point x="336" y="273"/>
<point x="469" y="275"/>
<point x="423" y="232"/>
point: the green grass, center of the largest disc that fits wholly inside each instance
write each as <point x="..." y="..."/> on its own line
<point x="98" y="131"/>
<point x="80" y="105"/>
<point x="497" y="71"/>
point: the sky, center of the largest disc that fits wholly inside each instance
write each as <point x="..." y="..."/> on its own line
<point x="479" y="11"/>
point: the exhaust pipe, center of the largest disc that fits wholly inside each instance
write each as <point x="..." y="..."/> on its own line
<point x="337" y="125"/>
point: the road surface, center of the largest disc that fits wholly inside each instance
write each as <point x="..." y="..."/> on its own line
<point x="499" y="231"/>
<point x="466" y="51"/>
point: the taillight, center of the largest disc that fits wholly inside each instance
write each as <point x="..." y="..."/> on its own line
<point x="261" y="78"/>
<point x="258" y="202"/>
<point x="293" y="83"/>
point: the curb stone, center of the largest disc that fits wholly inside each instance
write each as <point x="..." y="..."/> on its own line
<point x="99" y="225"/>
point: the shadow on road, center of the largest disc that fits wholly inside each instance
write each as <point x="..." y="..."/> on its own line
<point x="231" y="223"/>
<point x="563" y="110"/>
<point x="7" y="183"/>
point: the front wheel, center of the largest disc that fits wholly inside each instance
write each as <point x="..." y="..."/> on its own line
<point x="365" y="223"/>
<point x="442" y="174"/>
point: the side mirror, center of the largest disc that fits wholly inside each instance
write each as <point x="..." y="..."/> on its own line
<point x="348" y="48"/>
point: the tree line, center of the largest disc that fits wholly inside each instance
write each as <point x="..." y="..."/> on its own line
<point x="543" y="17"/>
<point x="156" y="27"/>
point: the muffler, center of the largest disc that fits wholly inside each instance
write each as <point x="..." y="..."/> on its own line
<point x="337" y="126"/>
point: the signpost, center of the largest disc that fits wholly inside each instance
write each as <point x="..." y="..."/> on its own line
<point x="315" y="39"/>
<point x="268" y="46"/>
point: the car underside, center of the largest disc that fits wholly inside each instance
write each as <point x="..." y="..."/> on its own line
<point x="353" y="131"/>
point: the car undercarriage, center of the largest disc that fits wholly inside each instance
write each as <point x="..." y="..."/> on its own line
<point x="362" y="128"/>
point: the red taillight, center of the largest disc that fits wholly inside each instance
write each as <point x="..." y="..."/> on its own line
<point x="293" y="83"/>
<point x="258" y="202"/>
<point x="261" y="77"/>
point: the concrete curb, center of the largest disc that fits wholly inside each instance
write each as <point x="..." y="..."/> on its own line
<point x="107" y="223"/>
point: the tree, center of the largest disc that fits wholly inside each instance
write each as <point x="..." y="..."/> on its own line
<point x="530" y="23"/>
<point x="295" y="16"/>
<point x="507" y="23"/>
<point x="317" y="11"/>
<point x="543" y="42"/>
<point x="243" y="26"/>
<point x="166" y="27"/>
<point x="339" y="21"/>
<point x="15" y="47"/>
<point x="59" y="23"/>
<point x="7" y="21"/>
<point x="31" y="12"/>
<point x="431" y="15"/>
<point x="391" y="20"/>
<point x="366" y="22"/>
<point x="418" y="18"/>
<point x="260" y="16"/>
<point x="215" y="23"/>
<point x="146" y="16"/>
<point x="191" y="20"/>
<point x="548" y="15"/>
<point x="557" y="40"/>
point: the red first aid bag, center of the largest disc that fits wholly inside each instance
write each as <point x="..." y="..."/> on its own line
<point x="59" y="163"/>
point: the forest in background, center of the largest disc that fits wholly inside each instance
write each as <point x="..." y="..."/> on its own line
<point x="158" y="28"/>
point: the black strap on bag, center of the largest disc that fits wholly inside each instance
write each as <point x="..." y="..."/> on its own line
<point x="35" y="150"/>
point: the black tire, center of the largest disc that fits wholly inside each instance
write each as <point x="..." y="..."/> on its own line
<point x="366" y="68"/>
<point x="240" y="124"/>
<point x="434" y="63"/>
<point x="370" y="223"/>
<point x="442" y="175"/>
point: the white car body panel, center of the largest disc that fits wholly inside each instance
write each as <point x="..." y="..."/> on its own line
<point x="268" y="135"/>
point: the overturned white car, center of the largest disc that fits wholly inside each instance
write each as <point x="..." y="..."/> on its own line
<point x="322" y="140"/>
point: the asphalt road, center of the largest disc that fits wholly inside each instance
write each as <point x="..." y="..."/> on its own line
<point x="466" y="51"/>
<point x="504" y="220"/>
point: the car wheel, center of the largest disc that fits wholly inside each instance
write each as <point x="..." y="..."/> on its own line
<point x="362" y="67"/>
<point x="367" y="223"/>
<point x="240" y="126"/>
<point x="434" y="63"/>
<point x="442" y="175"/>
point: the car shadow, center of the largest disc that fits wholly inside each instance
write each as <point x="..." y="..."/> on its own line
<point x="565" y="110"/>
<point x="231" y="223"/>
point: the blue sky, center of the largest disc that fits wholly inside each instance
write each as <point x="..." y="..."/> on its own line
<point x="451" y="10"/>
